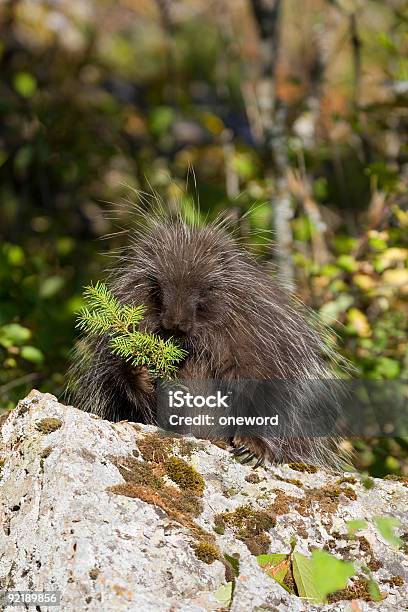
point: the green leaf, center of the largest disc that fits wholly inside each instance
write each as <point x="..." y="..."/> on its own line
<point x="331" y="311"/>
<point x="356" y="525"/>
<point x="14" y="335"/>
<point x="33" y="354"/>
<point x="224" y="594"/>
<point x="329" y="574"/>
<point x="244" y="165"/>
<point x="303" y="229"/>
<point x="271" y="559"/>
<point x="65" y="245"/>
<point x="3" y="157"/>
<point x="14" y="254"/>
<point x="234" y="562"/>
<point x="386" y="526"/>
<point x="320" y="189"/>
<point x="347" y="263"/>
<point x="276" y="565"/>
<point x="374" y="590"/>
<point x="161" y="119"/>
<point x="303" y="576"/>
<point x="385" y="367"/>
<point x="25" y="84"/>
<point x="51" y="286"/>
<point x="344" y="244"/>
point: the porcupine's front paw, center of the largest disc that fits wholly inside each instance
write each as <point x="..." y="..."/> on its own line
<point x="142" y="379"/>
<point x="250" y="449"/>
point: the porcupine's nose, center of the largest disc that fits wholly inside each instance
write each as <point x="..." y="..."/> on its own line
<point x="176" y="324"/>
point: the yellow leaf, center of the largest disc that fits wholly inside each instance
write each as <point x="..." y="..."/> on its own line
<point x="359" y="322"/>
<point x="364" y="282"/>
<point x="213" y="123"/>
<point x="402" y="216"/>
<point x="380" y="235"/>
<point x="392" y="256"/>
<point x="396" y="278"/>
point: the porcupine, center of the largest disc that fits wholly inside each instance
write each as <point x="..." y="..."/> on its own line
<point x="202" y="288"/>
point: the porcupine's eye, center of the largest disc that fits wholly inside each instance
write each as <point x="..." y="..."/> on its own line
<point x="201" y="307"/>
<point x="204" y="302"/>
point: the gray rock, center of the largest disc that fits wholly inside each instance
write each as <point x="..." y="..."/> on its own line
<point x="75" y="518"/>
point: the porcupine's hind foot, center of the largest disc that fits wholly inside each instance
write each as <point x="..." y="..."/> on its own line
<point x="250" y="450"/>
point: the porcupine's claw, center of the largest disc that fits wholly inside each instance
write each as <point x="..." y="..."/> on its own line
<point x="248" y="459"/>
<point x="260" y="462"/>
<point x="241" y="450"/>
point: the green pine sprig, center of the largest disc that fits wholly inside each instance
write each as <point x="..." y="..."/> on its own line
<point x="105" y="316"/>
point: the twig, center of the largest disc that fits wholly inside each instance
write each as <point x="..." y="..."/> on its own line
<point x="168" y="26"/>
<point x="356" y="45"/>
<point x="301" y="189"/>
<point x="18" y="381"/>
<point x="231" y="176"/>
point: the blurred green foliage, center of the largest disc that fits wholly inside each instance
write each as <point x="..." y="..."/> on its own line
<point x="99" y="100"/>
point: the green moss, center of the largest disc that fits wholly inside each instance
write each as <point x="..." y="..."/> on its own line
<point x="46" y="452"/>
<point x="187" y="447"/>
<point x="294" y="481"/>
<point x="184" y="475"/>
<point x="348" y="492"/>
<point x="188" y="504"/>
<point x="303" y="467"/>
<point x="145" y="481"/>
<point x="206" y="552"/>
<point x="396" y="581"/>
<point x="253" y="478"/>
<point x="258" y="545"/>
<point x="368" y="482"/>
<point x="230" y="492"/>
<point x="94" y="573"/>
<point x="358" y="590"/>
<point x="347" y="479"/>
<point x="245" y="522"/>
<point x="396" y="478"/>
<point x="43" y="456"/>
<point x="138" y="472"/>
<point x="155" y="447"/>
<point x="48" y="425"/>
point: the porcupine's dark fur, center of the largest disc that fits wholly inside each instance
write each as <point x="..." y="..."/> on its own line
<point x="202" y="288"/>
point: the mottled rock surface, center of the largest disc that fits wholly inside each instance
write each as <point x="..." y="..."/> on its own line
<point x="118" y="517"/>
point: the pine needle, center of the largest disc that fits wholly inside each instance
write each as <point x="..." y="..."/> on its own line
<point x="103" y="315"/>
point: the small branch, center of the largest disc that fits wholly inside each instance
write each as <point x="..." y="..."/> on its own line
<point x="231" y="176"/>
<point x="165" y="11"/>
<point x="17" y="382"/>
<point x="168" y="27"/>
<point x="301" y="189"/>
<point x="356" y="46"/>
